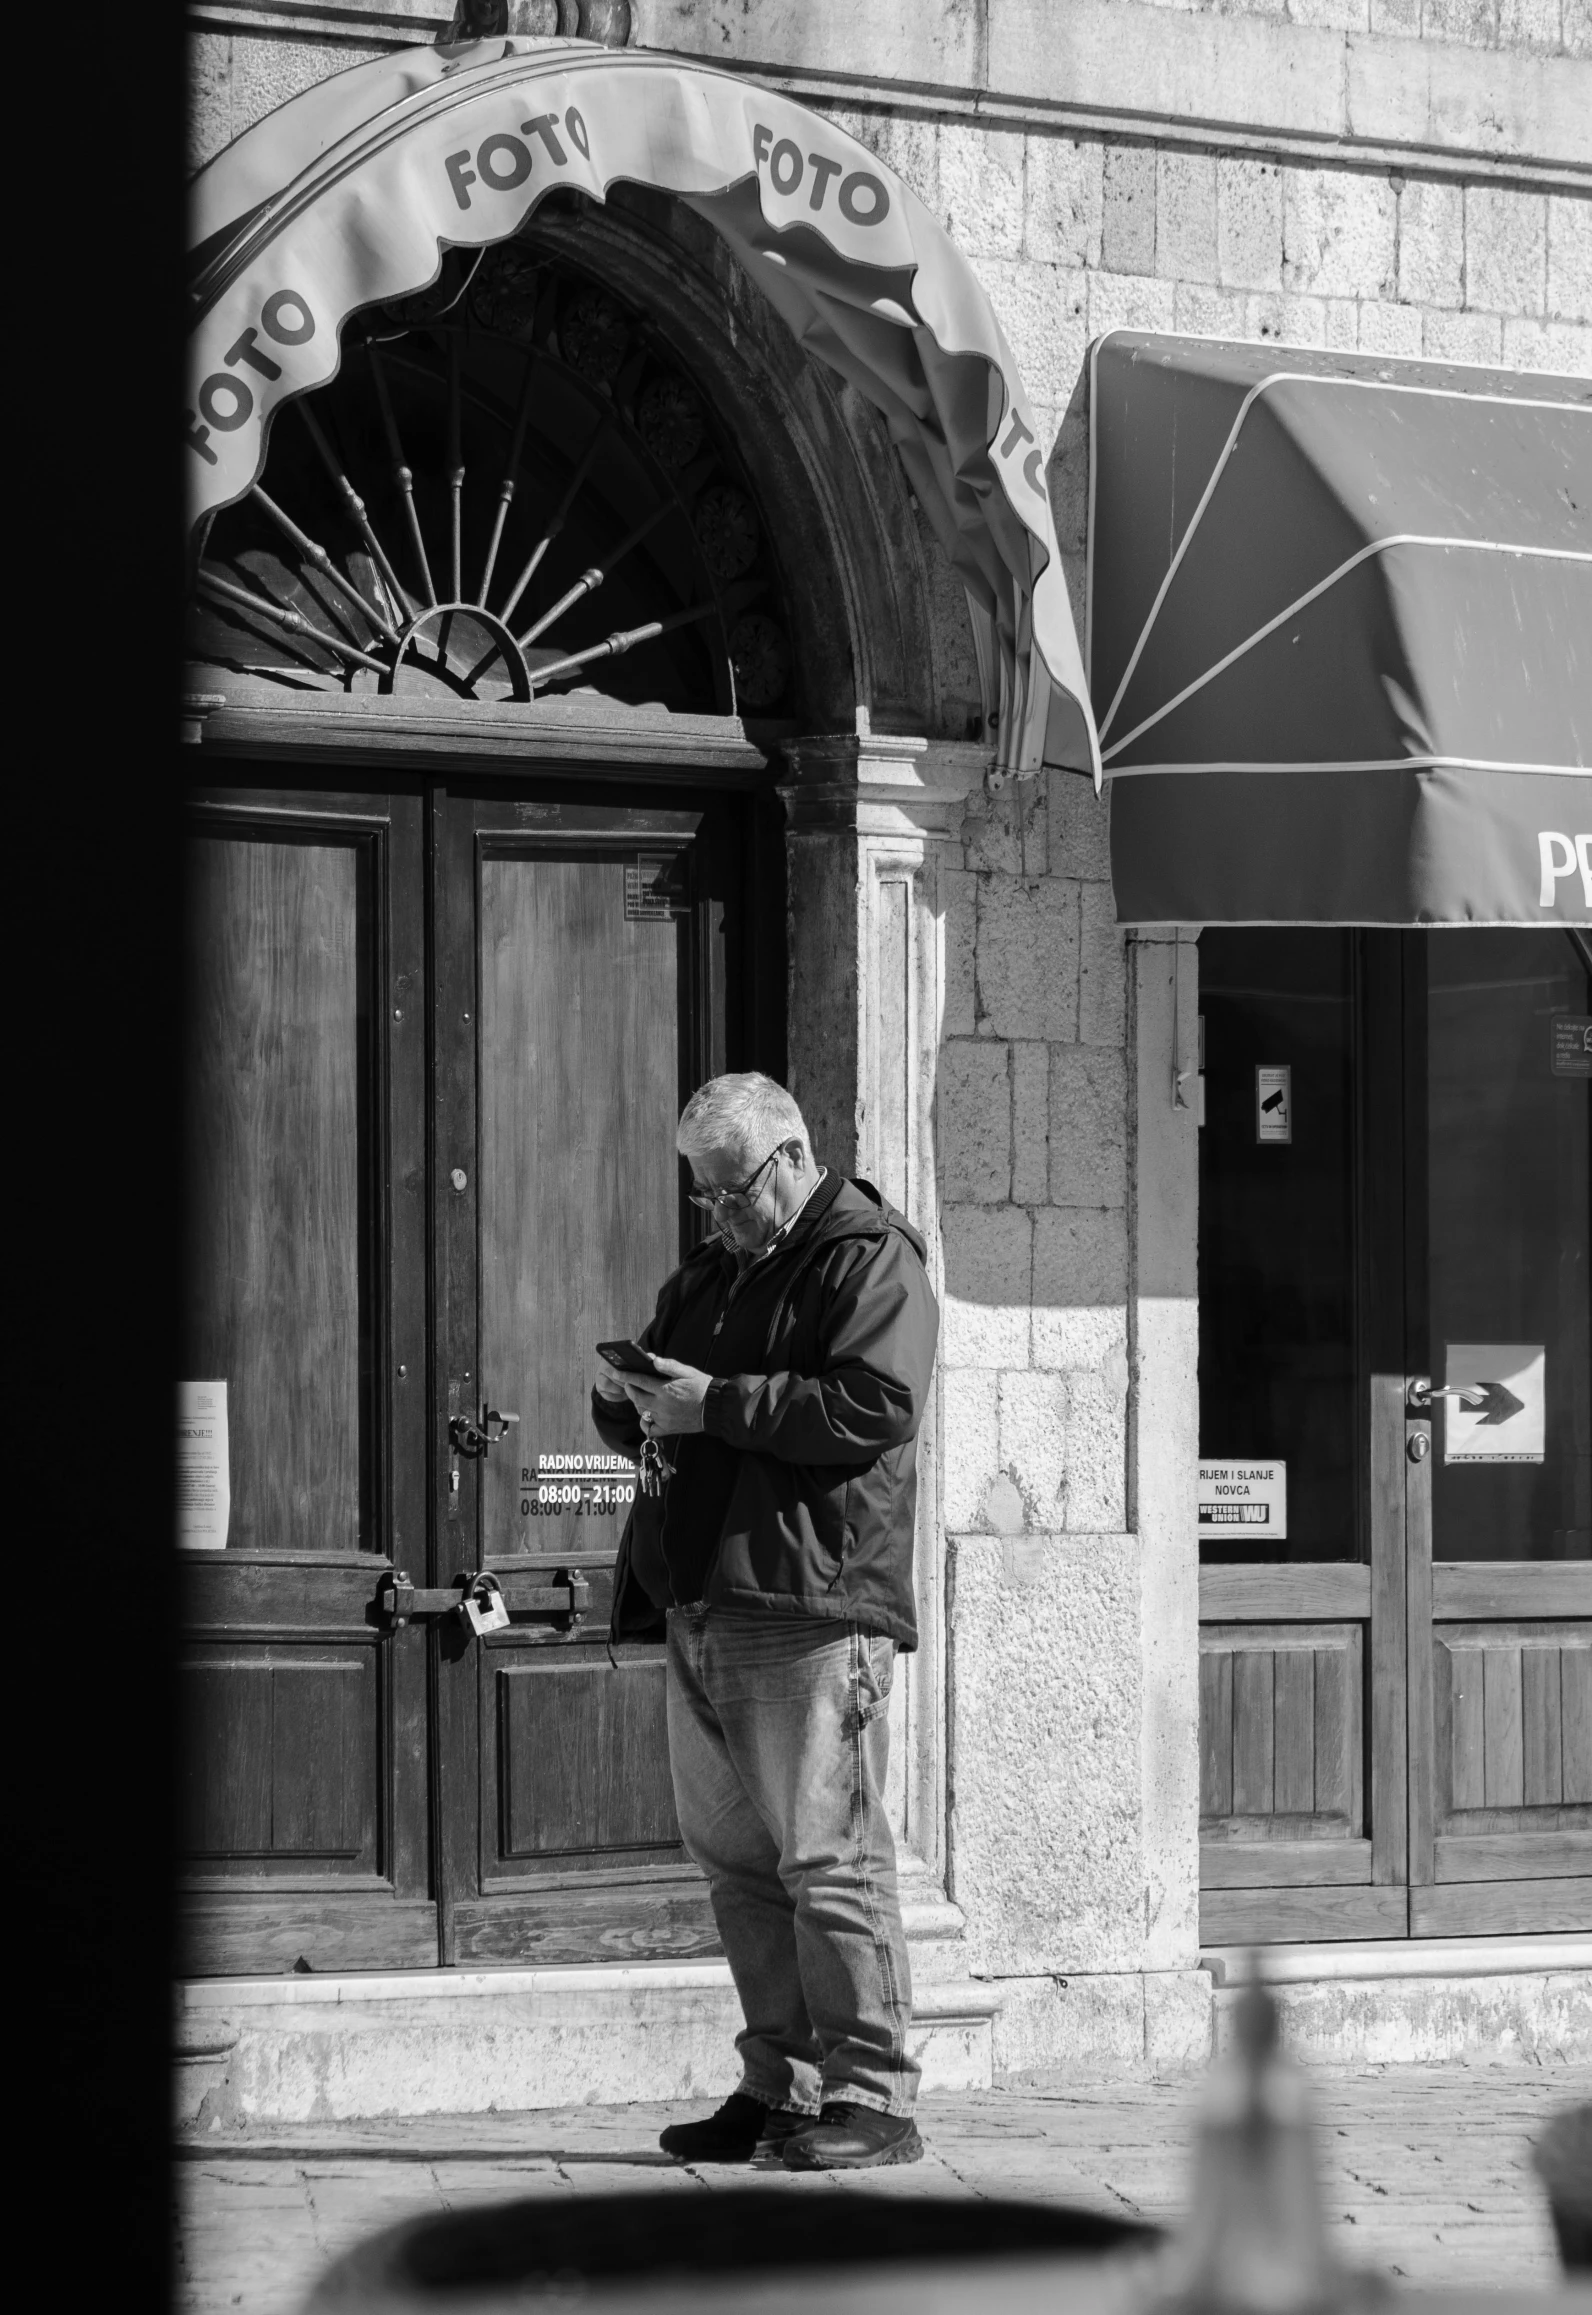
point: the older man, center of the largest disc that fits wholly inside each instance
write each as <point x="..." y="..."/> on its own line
<point x="795" y="1347"/>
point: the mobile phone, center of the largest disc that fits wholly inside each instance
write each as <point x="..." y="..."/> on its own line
<point x="628" y="1357"/>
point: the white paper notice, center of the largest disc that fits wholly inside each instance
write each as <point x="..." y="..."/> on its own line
<point x="1274" y="1102"/>
<point x="204" y="1486"/>
<point x="1502" y="1416"/>
<point x="1248" y="1499"/>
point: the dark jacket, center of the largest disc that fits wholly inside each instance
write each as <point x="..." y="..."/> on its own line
<point x="799" y="1494"/>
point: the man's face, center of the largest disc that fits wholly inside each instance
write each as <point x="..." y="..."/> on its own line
<point x="748" y="1222"/>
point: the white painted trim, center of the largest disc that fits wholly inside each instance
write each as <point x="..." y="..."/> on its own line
<point x="1361" y="764"/>
<point x="1383" y="1958"/>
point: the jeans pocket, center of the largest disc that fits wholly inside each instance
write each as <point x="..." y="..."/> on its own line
<point x="876" y="1655"/>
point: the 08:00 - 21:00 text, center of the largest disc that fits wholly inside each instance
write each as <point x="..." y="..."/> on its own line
<point x="594" y="1502"/>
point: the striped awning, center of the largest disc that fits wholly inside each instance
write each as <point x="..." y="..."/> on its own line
<point x="346" y="197"/>
<point x="1340" y="636"/>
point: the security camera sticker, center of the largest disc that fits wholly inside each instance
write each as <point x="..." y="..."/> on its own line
<point x="1274" y="1102"/>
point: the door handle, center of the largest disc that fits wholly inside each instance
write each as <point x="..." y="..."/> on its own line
<point x="474" y="1434"/>
<point x="1423" y="1391"/>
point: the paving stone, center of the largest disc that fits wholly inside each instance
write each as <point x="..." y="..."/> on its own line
<point x="1426" y="2174"/>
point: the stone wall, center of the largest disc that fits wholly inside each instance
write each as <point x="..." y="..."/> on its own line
<point x="1072" y="236"/>
<point x="1543" y="27"/>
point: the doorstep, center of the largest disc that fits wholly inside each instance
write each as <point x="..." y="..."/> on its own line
<point x="1422" y="2001"/>
<point x="271" y="2050"/>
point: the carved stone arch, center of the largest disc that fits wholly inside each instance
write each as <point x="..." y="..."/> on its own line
<point x="856" y="580"/>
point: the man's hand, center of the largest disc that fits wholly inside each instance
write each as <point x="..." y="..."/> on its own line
<point x="673" y="1398"/>
<point x="609" y="1383"/>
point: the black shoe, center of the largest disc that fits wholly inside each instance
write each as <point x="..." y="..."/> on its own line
<point x="847" y="2137"/>
<point x="742" y="2127"/>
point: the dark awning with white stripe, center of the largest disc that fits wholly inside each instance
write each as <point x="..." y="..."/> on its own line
<point x="1340" y="636"/>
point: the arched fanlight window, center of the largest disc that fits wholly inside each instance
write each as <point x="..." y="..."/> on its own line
<point x="510" y="490"/>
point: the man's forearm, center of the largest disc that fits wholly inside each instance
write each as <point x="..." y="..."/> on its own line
<point x="847" y="1416"/>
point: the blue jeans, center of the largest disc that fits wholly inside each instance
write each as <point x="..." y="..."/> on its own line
<point x="778" y="1740"/>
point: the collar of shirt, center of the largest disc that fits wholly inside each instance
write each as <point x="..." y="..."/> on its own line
<point x="744" y="1260"/>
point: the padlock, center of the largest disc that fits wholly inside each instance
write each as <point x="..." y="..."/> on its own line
<point x="483" y="1605"/>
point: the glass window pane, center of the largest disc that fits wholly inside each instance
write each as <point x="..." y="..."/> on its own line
<point x="1276" y="1245"/>
<point x="1508" y="1228"/>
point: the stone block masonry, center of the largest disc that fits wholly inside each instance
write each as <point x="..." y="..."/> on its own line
<point x="1075" y="235"/>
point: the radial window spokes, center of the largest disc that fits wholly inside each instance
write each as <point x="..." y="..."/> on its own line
<point x="441" y="515"/>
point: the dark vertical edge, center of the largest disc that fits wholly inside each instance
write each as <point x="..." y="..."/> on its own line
<point x="454" y="1381"/>
<point x="1381" y="1327"/>
<point x="765" y="889"/>
<point x="404" y="988"/>
<point x="94" y="909"/>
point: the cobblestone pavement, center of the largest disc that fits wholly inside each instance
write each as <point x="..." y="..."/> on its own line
<point x="1427" y="2172"/>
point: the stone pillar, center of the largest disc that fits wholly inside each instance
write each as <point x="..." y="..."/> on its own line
<point x="1163" y="1441"/>
<point x="869" y="817"/>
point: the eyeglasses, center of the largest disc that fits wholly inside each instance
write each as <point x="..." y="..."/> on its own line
<point x="710" y="1201"/>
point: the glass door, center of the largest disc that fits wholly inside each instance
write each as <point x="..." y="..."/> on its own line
<point x="1499" y="1432"/>
<point x="1302" y="1726"/>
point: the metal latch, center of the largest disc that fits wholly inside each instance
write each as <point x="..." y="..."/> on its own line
<point x="474" y="1434"/>
<point x="400" y="1598"/>
<point x="476" y="1597"/>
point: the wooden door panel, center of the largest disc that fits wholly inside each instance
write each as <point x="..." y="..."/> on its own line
<point x="278" y="1125"/>
<point x="1281" y="1733"/>
<point x="1538" y="1856"/>
<point x="581" y="995"/>
<point x="664" y="1916"/>
<point x="1518" y="1907"/>
<point x="580" y="1071"/>
<point x="1277" y="1863"/>
<point x="1279" y="1916"/>
<point x="281" y="1762"/>
<point x="583" y="1758"/>
<point x="1512" y="1707"/>
<point x="305" y="1800"/>
<point x="255" y="1932"/>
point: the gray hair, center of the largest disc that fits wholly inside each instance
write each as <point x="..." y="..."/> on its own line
<point x="747" y="1113"/>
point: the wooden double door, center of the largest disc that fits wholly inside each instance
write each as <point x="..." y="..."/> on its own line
<point x="437" y="1043"/>
<point x="1396" y="1434"/>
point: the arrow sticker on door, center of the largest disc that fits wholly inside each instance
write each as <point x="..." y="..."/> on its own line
<point x="1494" y="1408"/>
